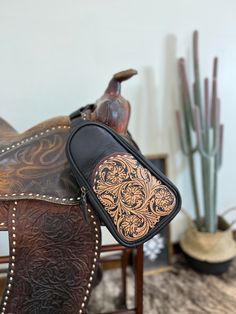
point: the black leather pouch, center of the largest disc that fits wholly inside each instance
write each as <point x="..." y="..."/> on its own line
<point x="133" y="198"/>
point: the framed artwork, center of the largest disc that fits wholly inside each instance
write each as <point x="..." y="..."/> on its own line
<point x="158" y="250"/>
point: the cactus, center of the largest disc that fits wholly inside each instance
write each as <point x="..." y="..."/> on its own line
<point x="201" y="133"/>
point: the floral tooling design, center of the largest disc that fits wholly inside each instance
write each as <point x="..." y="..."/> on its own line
<point x="132" y="196"/>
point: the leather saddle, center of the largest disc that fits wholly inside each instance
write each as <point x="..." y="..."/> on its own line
<point x="54" y="250"/>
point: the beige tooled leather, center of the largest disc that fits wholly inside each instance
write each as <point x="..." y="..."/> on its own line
<point x="132" y="196"/>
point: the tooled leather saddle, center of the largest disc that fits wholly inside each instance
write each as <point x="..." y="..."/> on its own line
<point x="54" y="249"/>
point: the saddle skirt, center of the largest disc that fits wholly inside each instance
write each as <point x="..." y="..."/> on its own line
<point x="53" y="251"/>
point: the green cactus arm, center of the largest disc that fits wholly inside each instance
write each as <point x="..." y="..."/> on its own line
<point x="206" y="103"/>
<point x="214" y="88"/>
<point x="220" y="154"/>
<point x="197" y="83"/>
<point x="185" y="91"/>
<point x="187" y="150"/>
<point x="200" y="140"/>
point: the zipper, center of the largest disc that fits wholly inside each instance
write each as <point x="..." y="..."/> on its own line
<point x="83" y="203"/>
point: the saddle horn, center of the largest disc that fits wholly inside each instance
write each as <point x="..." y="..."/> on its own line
<point x="112" y="109"/>
<point x="114" y="86"/>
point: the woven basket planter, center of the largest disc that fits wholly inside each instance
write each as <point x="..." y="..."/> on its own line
<point x="209" y="252"/>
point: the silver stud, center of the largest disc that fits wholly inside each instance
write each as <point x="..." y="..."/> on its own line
<point x="82" y="304"/>
<point x="14" y="235"/>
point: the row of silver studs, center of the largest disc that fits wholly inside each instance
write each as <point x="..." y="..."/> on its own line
<point x="94" y="262"/>
<point x="26" y="140"/>
<point x="41" y="197"/>
<point x="12" y="259"/>
<point x="84" y="115"/>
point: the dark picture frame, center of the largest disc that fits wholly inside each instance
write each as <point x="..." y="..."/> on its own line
<point x="159" y="250"/>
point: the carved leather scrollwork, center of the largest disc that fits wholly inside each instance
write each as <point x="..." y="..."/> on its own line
<point x="132" y="196"/>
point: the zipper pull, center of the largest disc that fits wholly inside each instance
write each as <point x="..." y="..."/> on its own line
<point x="84" y="203"/>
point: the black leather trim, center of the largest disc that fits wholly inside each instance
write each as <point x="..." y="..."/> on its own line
<point x="88" y="144"/>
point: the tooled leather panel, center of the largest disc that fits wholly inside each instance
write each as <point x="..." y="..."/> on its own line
<point x="54" y="256"/>
<point x="131" y="195"/>
<point x="36" y="166"/>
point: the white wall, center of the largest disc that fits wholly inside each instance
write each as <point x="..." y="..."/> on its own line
<point x="58" y="55"/>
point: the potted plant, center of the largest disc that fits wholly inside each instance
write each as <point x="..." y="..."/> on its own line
<point x="208" y="242"/>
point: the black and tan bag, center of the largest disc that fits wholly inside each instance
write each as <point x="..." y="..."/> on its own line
<point x="133" y="198"/>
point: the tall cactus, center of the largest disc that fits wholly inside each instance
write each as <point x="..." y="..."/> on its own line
<point x="200" y="132"/>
